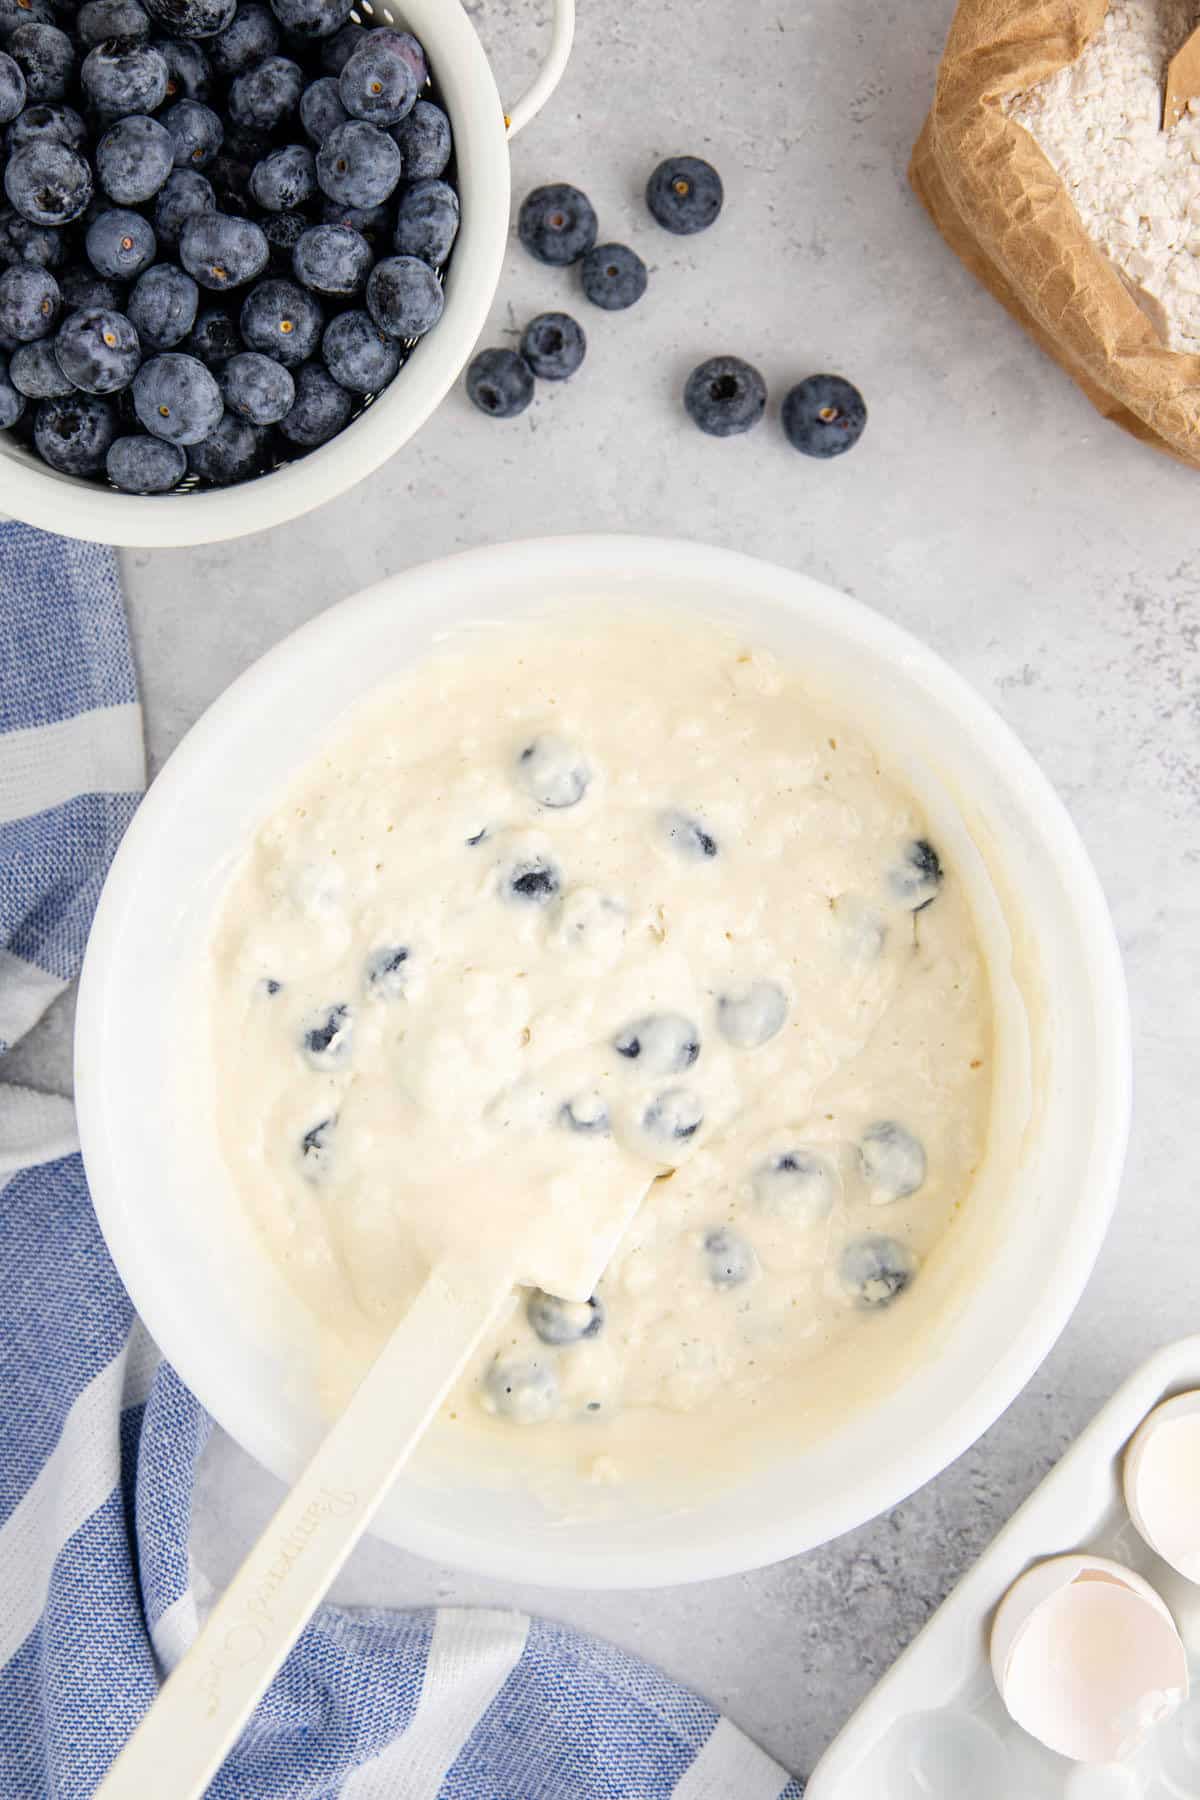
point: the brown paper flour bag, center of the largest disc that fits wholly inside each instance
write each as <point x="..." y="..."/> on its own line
<point x="999" y="204"/>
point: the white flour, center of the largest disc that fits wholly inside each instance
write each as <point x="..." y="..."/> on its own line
<point x="1136" y="187"/>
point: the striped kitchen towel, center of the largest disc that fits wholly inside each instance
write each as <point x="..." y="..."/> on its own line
<point x="99" y="1438"/>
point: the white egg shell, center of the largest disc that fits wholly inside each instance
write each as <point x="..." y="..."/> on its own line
<point x="1087" y="1658"/>
<point x="1162" y="1482"/>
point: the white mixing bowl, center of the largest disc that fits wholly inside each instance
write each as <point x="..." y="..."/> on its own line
<point x="32" y="491"/>
<point x="216" y="1304"/>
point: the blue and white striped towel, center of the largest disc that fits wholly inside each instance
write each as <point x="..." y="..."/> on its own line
<point x="99" y="1439"/>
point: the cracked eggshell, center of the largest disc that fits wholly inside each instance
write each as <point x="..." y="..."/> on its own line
<point x="1162" y="1482"/>
<point x="1087" y="1658"/>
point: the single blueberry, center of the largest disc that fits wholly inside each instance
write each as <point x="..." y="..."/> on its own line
<point x="134" y="158"/>
<point x="193" y="18"/>
<point x="221" y="252"/>
<point x="554" y="346"/>
<point x="189" y="74"/>
<point x="337" y="50"/>
<point x="500" y="383"/>
<point x="327" y="1040"/>
<point x="98" y="351"/>
<point x="613" y="276"/>
<point x="60" y="124"/>
<point x="47" y="183"/>
<point x="404" y="45"/>
<point x="729" y="1258"/>
<point x="250" y="37"/>
<point x="322" y="408"/>
<point x="124" y="78"/>
<point x="427" y="221"/>
<point x="675" y="1116"/>
<point x="358" y="354"/>
<point x="725" y="396"/>
<point x="12" y="400"/>
<point x="316" y="1149"/>
<point x="387" y="969"/>
<point x="285" y="179"/>
<point x="688" y="836"/>
<point x="282" y="320"/>
<point x="73" y="433"/>
<point x="234" y="450"/>
<point x="874" y="1270"/>
<point x="824" y="416"/>
<point x="12" y="88"/>
<point x="321" y="109"/>
<point x="270" y="986"/>
<point x="534" y="881"/>
<point x="796" y="1185"/>
<point x="196" y="134"/>
<point x="163" y="306"/>
<point x="377" y="86"/>
<point x="23" y="241"/>
<point x="20" y="12"/>
<point x="46" y="58"/>
<point x="145" y="465"/>
<point x="917" y="878"/>
<point x="263" y="96"/>
<point x="660" y="1043"/>
<point x="358" y="165"/>
<point x="332" y="259"/>
<point x="120" y="243"/>
<point x="283" y="232"/>
<point x="586" y="1113"/>
<point x="182" y="196"/>
<point x="520" y="1389"/>
<point x="33" y="370"/>
<point x="257" y="388"/>
<point x="175" y="397"/>
<point x="552" y="771"/>
<point x="424" y="141"/>
<point x="557" y="224"/>
<point x="111" y="21"/>
<point x="30" y="300"/>
<point x="685" y="194"/>
<point x="404" y="296"/>
<point x="752" y="1015"/>
<point x="312" y="18"/>
<point x="564" y="1321"/>
<point x="214" y="338"/>
<point x="893" y="1161"/>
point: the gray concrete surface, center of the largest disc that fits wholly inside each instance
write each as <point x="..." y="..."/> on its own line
<point x="1052" y="560"/>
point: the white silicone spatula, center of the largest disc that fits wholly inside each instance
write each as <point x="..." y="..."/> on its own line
<point x="197" y="1717"/>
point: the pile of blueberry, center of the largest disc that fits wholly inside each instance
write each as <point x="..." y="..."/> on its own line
<point x="225" y="227"/>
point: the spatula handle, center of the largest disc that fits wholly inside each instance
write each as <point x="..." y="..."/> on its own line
<point x="184" y="1738"/>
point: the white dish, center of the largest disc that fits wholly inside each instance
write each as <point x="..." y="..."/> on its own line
<point x="935" y="1727"/>
<point x="88" y="509"/>
<point x="215" y="1303"/>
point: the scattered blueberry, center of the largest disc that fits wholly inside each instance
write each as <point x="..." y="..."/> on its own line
<point x="250" y="37"/>
<point x="554" y="346"/>
<point x="893" y="1161"/>
<point x="120" y="243"/>
<point x="214" y="338"/>
<point x="33" y="370"/>
<point x="12" y="400"/>
<point x="687" y="836"/>
<point x="753" y="1015"/>
<point x="222" y="252"/>
<point x="73" y="433"/>
<point x="613" y="276"/>
<point x="660" y="1043"/>
<point x="327" y="1041"/>
<point x="387" y="969"/>
<point x="337" y="50"/>
<point x="316" y="1148"/>
<point x="189" y="74"/>
<point x="875" y="1269"/>
<point x="674" y="1117"/>
<point x="124" y="78"/>
<point x="796" y="1185"/>
<point x="376" y="85"/>
<point x="685" y="194"/>
<point x="916" y="880"/>
<point x="404" y="45"/>
<point x="23" y="241"/>
<point x="587" y="1114"/>
<point x="283" y="321"/>
<point x="257" y="388"/>
<point x="182" y="196"/>
<point x="358" y="165"/>
<point x="193" y="18"/>
<point x="46" y="58"/>
<point x="162" y="306"/>
<point x="19" y="12"/>
<point x="283" y="232"/>
<point x="312" y="18"/>
<point x="261" y="97"/>
<point x="12" y="88"/>
<point x="564" y="1321"/>
<point x="98" y="351"/>
<point x="358" y="354"/>
<point x="427" y="220"/>
<point x="404" y="296"/>
<point x="730" y="1259"/>
<point x="553" y="772"/>
<point x="824" y="416"/>
<point x="111" y="21"/>
<point x="500" y="383"/>
<point x="285" y="179"/>
<point x="145" y="465"/>
<point x="47" y="183"/>
<point x="520" y="1389"/>
<point x="332" y="259"/>
<point x="534" y="881"/>
<point x="176" y="398"/>
<point x="322" y="408"/>
<point x="270" y="986"/>
<point x="557" y="224"/>
<point x="196" y="134"/>
<point x="30" y="299"/>
<point x="234" y="450"/>
<point x="725" y="396"/>
<point x="424" y="141"/>
<point x="321" y="108"/>
<point x="61" y="124"/>
<point x="133" y="159"/>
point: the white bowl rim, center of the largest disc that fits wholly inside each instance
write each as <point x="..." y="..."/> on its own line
<point x="945" y="1439"/>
